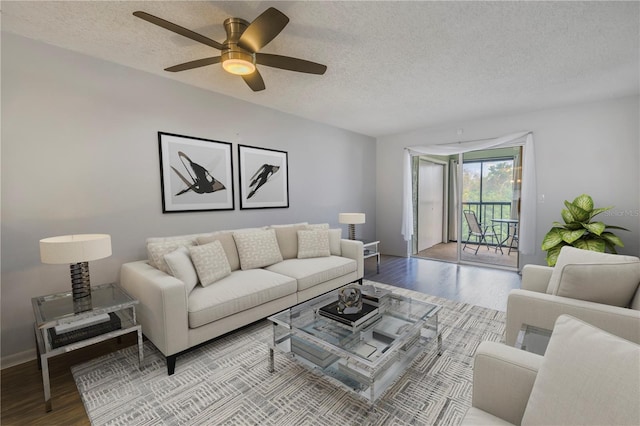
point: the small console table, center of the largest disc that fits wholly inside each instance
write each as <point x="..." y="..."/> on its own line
<point x="61" y="328"/>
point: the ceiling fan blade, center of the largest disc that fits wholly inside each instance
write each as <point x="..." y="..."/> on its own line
<point x="289" y="63"/>
<point x="263" y="29"/>
<point x="194" y="64"/>
<point x="178" y="29"/>
<point x="254" y="81"/>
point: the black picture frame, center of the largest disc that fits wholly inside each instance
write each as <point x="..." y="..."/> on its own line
<point x="264" y="178"/>
<point x="196" y="174"/>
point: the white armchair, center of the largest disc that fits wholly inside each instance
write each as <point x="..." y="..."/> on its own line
<point x="586" y="377"/>
<point x="598" y="288"/>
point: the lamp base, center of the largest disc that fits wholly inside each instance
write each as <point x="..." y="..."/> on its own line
<point x="80" y="286"/>
<point x="352" y="232"/>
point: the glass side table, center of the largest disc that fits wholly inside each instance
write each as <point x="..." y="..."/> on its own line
<point x="370" y="250"/>
<point x="60" y="327"/>
<point x="533" y="339"/>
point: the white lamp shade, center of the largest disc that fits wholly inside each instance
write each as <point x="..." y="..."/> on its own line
<point x="75" y="248"/>
<point x="351" y="218"/>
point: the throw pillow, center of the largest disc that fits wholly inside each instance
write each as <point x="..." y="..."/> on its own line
<point x="228" y="244"/>
<point x="318" y="226"/>
<point x="335" y="235"/>
<point x="180" y="266"/>
<point x="571" y="255"/>
<point x="257" y="249"/>
<point x="587" y="377"/>
<point x="210" y="261"/>
<point x="157" y="250"/>
<point x="611" y="284"/>
<point x="313" y="243"/>
<point x="287" y="237"/>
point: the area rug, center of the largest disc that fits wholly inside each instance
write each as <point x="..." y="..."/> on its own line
<point x="227" y="382"/>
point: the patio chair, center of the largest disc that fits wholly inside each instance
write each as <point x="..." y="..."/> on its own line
<point x="479" y="231"/>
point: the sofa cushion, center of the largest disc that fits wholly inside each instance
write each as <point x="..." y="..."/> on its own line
<point x="587" y="377"/>
<point x="335" y="235"/>
<point x="157" y="250"/>
<point x="310" y="272"/>
<point x="180" y="266"/>
<point x="235" y="293"/>
<point x="257" y="249"/>
<point x="287" y="236"/>
<point x="610" y="284"/>
<point x="228" y="244"/>
<point x="313" y="243"/>
<point x="571" y="255"/>
<point x="210" y="261"/>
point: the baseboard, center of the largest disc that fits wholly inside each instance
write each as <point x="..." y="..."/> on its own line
<point x="17" y="359"/>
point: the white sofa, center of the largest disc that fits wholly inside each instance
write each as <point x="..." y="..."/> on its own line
<point x="194" y="288"/>
<point x="601" y="289"/>
<point x="586" y="377"/>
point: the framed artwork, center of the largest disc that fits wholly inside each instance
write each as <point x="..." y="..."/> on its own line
<point x="196" y="174"/>
<point x="264" y="178"/>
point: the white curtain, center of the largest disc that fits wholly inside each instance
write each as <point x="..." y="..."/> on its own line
<point x="527" y="232"/>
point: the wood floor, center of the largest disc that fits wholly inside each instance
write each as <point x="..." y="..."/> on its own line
<point x="489" y="256"/>
<point x="21" y="387"/>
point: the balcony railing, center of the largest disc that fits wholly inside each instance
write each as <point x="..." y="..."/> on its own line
<point x="485" y="212"/>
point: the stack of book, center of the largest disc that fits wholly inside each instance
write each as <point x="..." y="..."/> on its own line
<point x="353" y="320"/>
<point x="74" y="332"/>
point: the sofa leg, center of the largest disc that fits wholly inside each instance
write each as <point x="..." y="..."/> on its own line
<point x="171" y="364"/>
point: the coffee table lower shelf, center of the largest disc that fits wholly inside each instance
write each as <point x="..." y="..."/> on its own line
<point x="350" y="374"/>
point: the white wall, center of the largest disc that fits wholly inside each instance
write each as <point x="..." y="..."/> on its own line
<point x="80" y="155"/>
<point x="589" y="148"/>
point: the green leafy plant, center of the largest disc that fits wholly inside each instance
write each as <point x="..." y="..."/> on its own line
<point x="579" y="231"/>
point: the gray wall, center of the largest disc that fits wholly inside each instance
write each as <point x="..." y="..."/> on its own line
<point x="589" y="148"/>
<point x="80" y="155"/>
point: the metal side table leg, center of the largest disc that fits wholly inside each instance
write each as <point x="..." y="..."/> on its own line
<point x="44" y="362"/>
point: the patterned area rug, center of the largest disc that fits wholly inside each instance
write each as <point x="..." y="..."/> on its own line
<point x="227" y="383"/>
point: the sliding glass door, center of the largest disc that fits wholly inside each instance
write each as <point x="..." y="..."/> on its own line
<point x="467" y="207"/>
<point x="490" y="206"/>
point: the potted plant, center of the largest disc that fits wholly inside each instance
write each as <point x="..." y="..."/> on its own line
<point x="579" y="231"/>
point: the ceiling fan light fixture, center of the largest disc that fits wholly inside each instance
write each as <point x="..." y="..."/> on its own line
<point x="238" y="66"/>
<point x="238" y="63"/>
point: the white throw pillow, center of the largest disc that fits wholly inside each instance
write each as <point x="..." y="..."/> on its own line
<point x="180" y="266"/>
<point x="313" y="243"/>
<point x="257" y="248"/>
<point x="157" y="250"/>
<point x="318" y="226"/>
<point x="587" y="377"/>
<point x="210" y="261"/>
<point x="571" y="255"/>
<point x="228" y="244"/>
<point x="335" y="235"/>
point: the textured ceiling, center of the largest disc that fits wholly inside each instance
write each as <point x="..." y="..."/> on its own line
<point x="392" y="66"/>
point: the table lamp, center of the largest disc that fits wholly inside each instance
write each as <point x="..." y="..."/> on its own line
<point x="351" y="219"/>
<point x="77" y="250"/>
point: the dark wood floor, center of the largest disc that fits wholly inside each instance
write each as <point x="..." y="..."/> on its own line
<point x="21" y="388"/>
<point x="477" y="285"/>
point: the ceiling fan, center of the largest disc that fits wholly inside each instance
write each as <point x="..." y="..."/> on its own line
<point x="239" y="52"/>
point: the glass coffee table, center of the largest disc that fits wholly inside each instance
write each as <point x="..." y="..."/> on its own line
<point x="367" y="356"/>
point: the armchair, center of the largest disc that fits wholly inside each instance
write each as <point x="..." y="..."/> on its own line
<point x="598" y="288"/>
<point x="586" y="377"/>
